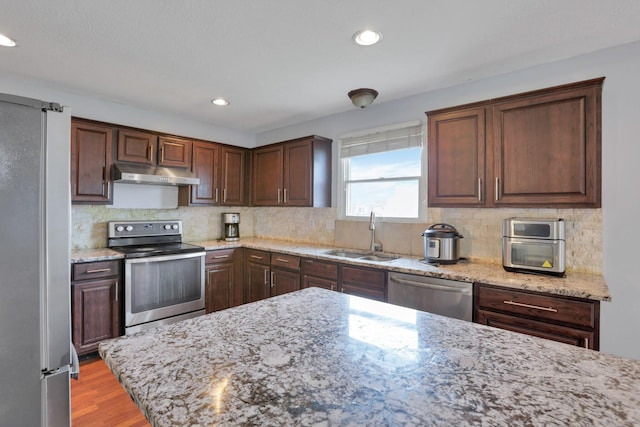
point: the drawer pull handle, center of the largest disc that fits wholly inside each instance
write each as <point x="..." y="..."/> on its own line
<point x="282" y="260"/>
<point x="116" y="290"/>
<point x="537" y="307"/>
<point x="221" y="256"/>
<point x="256" y="257"/>
<point x="99" y="270"/>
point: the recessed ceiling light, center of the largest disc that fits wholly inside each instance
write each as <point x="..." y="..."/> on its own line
<point x="367" y="37"/>
<point x="221" y="102"/>
<point x="6" y="41"/>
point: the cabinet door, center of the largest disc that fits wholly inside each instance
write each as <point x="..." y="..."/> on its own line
<point x="96" y="313"/>
<point x="219" y="286"/>
<point x="136" y="147"/>
<point x="267" y="176"/>
<point x="364" y="282"/>
<point x="257" y="282"/>
<point x="457" y="158"/>
<point x="224" y="279"/>
<point x="546" y="149"/>
<point x="564" y="334"/>
<point x="298" y="173"/>
<point x="233" y="176"/>
<point x="91" y="148"/>
<point x="174" y="152"/>
<point x="283" y="281"/>
<point x="205" y="166"/>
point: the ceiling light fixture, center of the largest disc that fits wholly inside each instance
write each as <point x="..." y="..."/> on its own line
<point x="221" y="102"/>
<point x="367" y="37"/>
<point x="362" y="97"/>
<point x="6" y="41"/>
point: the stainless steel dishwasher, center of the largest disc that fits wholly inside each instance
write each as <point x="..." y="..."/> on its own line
<point x="440" y="296"/>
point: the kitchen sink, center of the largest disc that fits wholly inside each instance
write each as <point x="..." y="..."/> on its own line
<point x="379" y="257"/>
<point x="361" y="255"/>
<point x="345" y="254"/>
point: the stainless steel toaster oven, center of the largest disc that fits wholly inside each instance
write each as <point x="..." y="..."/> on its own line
<point x="534" y="245"/>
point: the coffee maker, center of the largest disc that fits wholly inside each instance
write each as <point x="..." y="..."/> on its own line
<point x="231" y="226"/>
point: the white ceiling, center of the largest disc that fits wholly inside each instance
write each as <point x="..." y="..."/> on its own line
<point x="282" y="62"/>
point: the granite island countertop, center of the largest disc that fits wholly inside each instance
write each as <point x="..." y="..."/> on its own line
<point x="574" y="284"/>
<point x="316" y="357"/>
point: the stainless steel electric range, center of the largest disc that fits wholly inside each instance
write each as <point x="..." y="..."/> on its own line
<point x="163" y="277"/>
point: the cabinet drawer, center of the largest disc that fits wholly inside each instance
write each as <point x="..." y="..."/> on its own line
<point x="310" y="281"/>
<point x="550" y="331"/>
<point x="324" y="270"/>
<point x="222" y="255"/>
<point x="290" y="262"/>
<point x="95" y="270"/>
<point x="370" y="278"/>
<point x="560" y="309"/>
<point x="256" y="256"/>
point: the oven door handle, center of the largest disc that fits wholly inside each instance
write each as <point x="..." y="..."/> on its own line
<point x="161" y="258"/>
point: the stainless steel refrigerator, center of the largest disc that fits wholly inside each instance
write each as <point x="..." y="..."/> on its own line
<point x="35" y="215"/>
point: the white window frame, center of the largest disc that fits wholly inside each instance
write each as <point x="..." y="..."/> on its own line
<point x="372" y="135"/>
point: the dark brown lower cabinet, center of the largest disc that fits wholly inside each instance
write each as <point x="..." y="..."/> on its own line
<point x="223" y="279"/>
<point x="568" y="320"/>
<point x="257" y="271"/>
<point x="363" y="282"/>
<point x="283" y="281"/>
<point x="269" y="274"/>
<point x="96" y="304"/>
<point x="285" y="273"/>
<point x="320" y="274"/>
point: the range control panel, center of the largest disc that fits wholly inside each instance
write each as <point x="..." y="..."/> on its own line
<point x="144" y="228"/>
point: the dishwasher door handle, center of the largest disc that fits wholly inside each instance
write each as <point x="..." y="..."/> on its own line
<point x="430" y="285"/>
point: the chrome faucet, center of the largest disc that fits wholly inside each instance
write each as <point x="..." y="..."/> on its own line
<point x="372" y="226"/>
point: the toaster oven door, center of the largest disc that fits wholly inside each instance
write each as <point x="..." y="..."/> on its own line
<point x="533" y="254"/>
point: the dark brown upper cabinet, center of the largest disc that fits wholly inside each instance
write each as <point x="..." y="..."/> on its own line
<point x="206" y="156"/>
<point x="457" y="158"/>
<point x="174" y="152"/>
<point x="233" y="175"/>
<point x="91" y="159"/>
<point x="222" y="171"/>
<point x="147" y="148"/>
<point x="292" y="173"/>
<point x="136" y="147"/>
<point x="537" y="149"/>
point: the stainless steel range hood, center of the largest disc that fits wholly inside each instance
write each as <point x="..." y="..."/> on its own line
<point x="141" y="174"/>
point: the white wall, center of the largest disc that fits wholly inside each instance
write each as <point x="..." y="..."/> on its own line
<point x="620" y="319"/>
<point x="114" y="112"/>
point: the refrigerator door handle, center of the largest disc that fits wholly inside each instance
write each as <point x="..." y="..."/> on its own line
<point x="75" y="364"/>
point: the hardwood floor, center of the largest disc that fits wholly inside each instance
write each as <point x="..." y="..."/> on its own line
<point x="98" y="399"/>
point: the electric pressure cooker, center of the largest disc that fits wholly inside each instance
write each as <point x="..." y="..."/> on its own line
<point x="442" y="244"/>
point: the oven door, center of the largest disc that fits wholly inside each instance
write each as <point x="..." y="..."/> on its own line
<point x="160" y="287"/>
<point x="533" y="254"/>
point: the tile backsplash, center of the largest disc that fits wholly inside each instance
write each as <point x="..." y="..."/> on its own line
<point x="481" y="228"/>
<point x="482" y="231"/>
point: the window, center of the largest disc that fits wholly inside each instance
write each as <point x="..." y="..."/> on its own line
<point x="381" y="173"/>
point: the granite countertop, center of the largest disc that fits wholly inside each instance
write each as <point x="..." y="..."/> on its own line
<point x="316" y="357"/>
<point x="93" y="255"/>
<point x="574" y="284"/>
